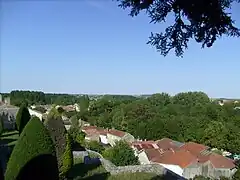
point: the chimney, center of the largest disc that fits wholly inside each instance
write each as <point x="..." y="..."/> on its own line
<point x="145" y="139"/>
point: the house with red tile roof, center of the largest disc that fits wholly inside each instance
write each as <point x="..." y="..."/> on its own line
<point x="173" y="160"/>
<point x="167" y="144"/>
<point x="114" y="135"/>
<point x="138" y="146"/>
<point x="188" y="160"/>
<point x="106" y="136"/>
<point x="94" y="133"/>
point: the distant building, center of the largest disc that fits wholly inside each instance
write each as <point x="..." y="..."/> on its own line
<point x="7" y="101"/>
<point x="114" y="135"/>
<point x="36" y="113"/>
<point x="8" y="115"/>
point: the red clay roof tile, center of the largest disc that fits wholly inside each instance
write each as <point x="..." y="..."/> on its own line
<point x="116" y="132"/>
<point x="166" y="144"/>
<point x="219" y="161"/>
<point x="180" y="157"/>
<point x="194" y="148"/>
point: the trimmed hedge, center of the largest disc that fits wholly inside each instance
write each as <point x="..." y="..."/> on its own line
<point x="1" y="125"/>
<point x="33" y="156"/>
<point x="67" y="158"/>
<point x="22" y="118"/>
<point x="62" y="143"/>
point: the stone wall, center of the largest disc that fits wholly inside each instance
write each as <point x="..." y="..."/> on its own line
<point x="112" y="169"/>
<point x="148" y="168"/>
<point x="80" y="154"/>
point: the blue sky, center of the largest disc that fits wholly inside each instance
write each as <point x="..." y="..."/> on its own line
<point x="93" y="46"/>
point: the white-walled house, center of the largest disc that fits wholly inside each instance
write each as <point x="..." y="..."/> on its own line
<point x="115" y="135"/>
<point x="96" y="133"/>
<point x="36" y="113"/>
<point x="171" y="160"/>
<point x="103" y="136"/>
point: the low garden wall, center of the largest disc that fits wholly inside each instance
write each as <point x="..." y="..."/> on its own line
<point x="148" y="168"/>
<point x="112" y="169"/>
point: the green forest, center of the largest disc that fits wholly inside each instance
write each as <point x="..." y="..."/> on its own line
<point x="187" y="116"/>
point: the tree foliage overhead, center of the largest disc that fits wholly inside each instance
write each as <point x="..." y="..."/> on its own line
<point x="33" y="156"/>
<point x="202" y="20"/>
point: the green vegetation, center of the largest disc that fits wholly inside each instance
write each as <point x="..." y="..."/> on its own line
<point x="1" y="126"/>
<point x="121" y="154"/>
<point x="10" y="138"/>
<point x="84" y="103"/>
<point x="81" y="170"/>
<point x="33" y="154"/>
<point x="203" y="21"/>
<point x="22" y="118"/>
<point x="93" y="172"/>
<point x="40" y="98"/>
<point x="95" y="146"/>
<point x="189" y="116"/>
<point x="62" y="143"/>
<point x="54" y="114"/>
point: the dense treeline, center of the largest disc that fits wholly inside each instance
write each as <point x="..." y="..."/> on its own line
<point x="38" y="97"/>
<point x="190" y="116"/>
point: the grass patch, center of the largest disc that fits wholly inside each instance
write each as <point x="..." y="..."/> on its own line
<point x="9" y="138"/>
<point x="92" y="172"/>
<point x="83" y="171"/>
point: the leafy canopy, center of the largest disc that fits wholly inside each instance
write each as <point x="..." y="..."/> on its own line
<point x="201" y="20"/>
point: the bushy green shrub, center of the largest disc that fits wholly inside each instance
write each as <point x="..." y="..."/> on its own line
<point x="33" y="156"/>
<point x="22" y="118"/>
<point x="121" y="154"/>
<point x="94" y="146"/>
<point x="67" y="158"/>
<point x="77" y="135"/>
<point x="62" y="143"/>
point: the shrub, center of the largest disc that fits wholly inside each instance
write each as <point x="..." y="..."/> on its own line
<point x="22" y="118"/>
<point x="33" y="156"/>
<point x="94" y="146"/>
<point x="121" y="154"/>
<point x="77" y="135"/>
<point x="53" y="114"/>
<point x="67" y="158"/>
<point x="236" y="176"/>
<point x="62" y="143"/>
